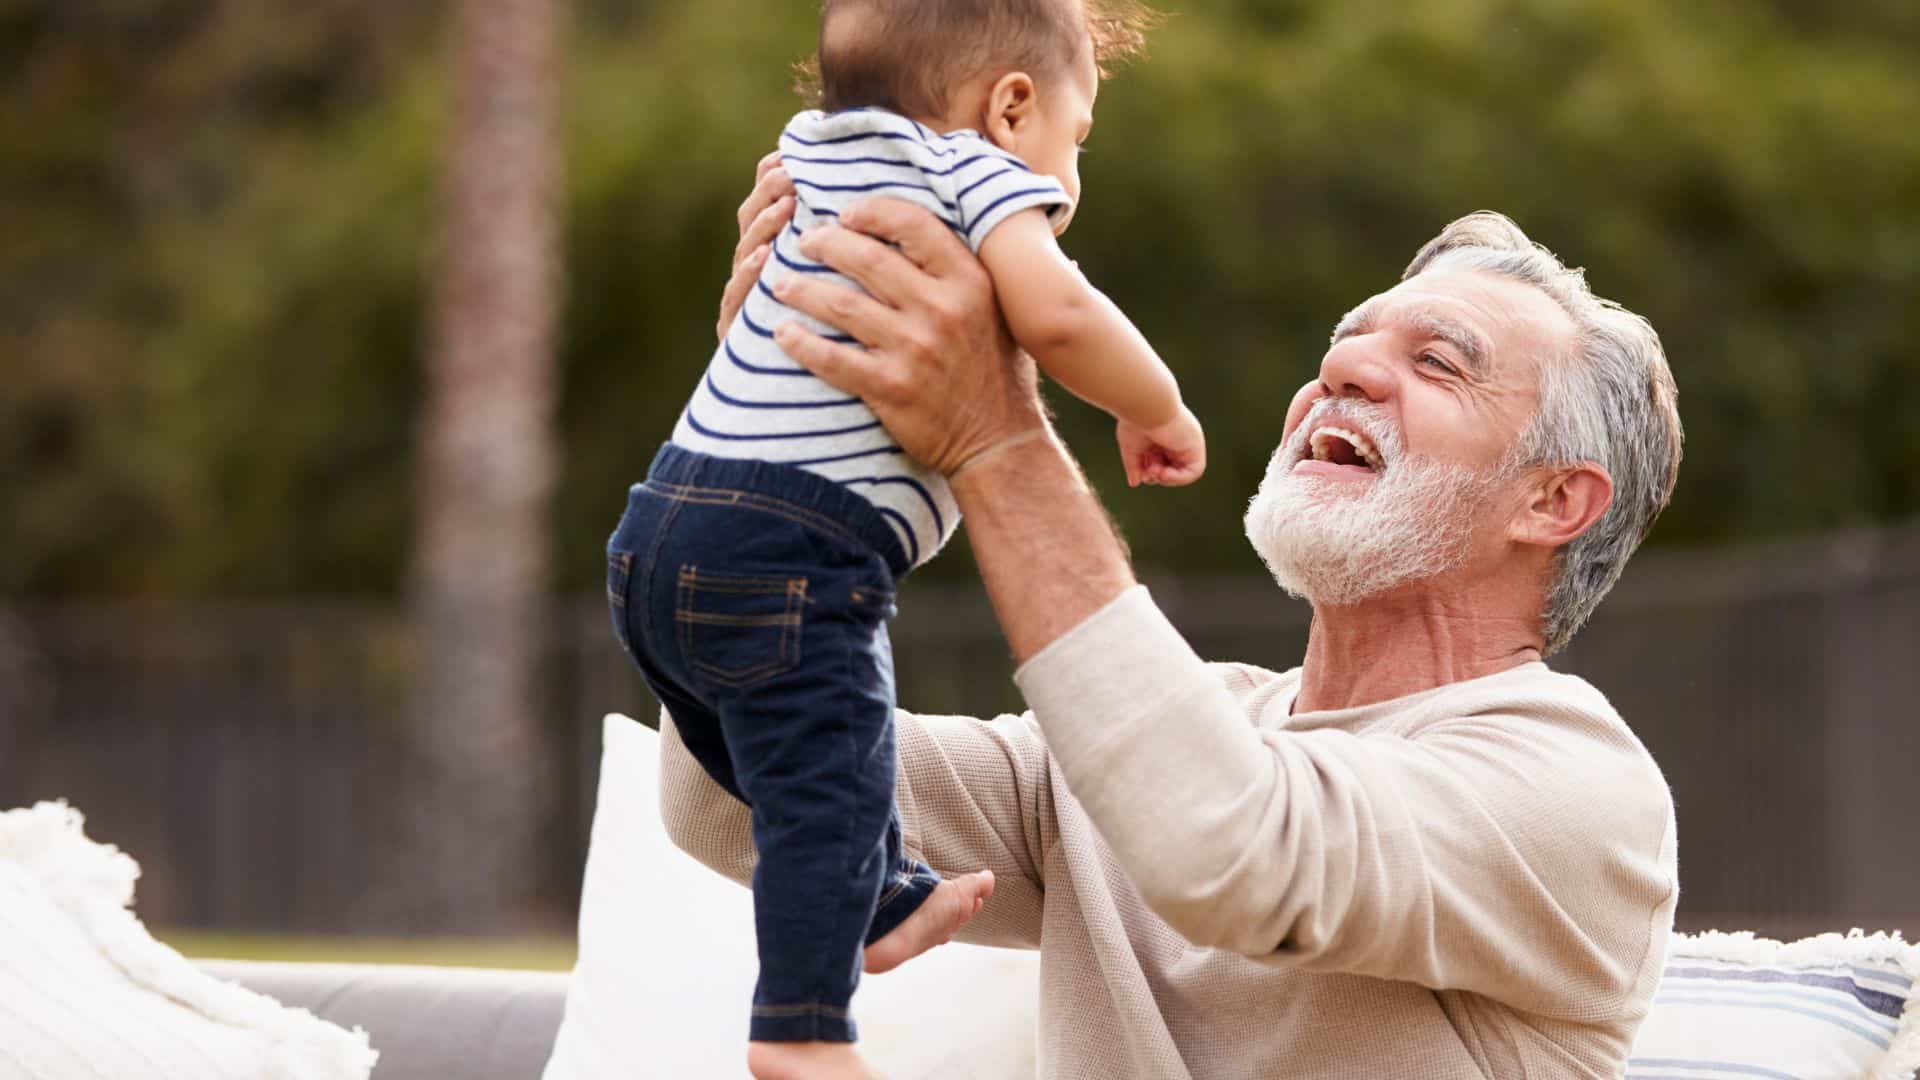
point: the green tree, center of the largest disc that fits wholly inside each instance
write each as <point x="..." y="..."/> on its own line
<point x="214" y="226"/>
<point x="485" y="461"/>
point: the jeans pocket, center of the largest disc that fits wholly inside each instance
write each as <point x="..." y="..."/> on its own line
<point x="619" y="574"/>
<point x="737" y="629"/>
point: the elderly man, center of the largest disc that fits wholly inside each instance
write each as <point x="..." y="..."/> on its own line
<point x="1420" y="853"/>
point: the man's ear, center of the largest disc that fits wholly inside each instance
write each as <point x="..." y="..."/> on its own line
<point x="1012" y="104"/>
<point x="1563" y="504"/>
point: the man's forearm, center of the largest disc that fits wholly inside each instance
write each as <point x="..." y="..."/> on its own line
<point x="1046" y="549"/>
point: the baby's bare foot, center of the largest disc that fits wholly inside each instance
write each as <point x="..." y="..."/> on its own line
<point x="952" y="903"/>
<point x="807" y="1061"/>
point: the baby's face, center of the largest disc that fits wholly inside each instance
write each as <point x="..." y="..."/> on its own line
<point x="1052" y="145"/>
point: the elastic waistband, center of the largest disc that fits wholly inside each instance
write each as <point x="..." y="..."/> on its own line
<point x="746" y="481"/>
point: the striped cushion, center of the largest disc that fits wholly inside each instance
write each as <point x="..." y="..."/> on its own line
<point x="1737" y="1007"/>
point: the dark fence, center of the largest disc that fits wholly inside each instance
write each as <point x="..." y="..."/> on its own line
<point x="248" y="754"/>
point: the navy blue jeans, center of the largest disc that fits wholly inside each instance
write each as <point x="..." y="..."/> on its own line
<point x="754" y="598"/>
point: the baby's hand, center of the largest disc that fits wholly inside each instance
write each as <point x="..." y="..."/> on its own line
<point x="1173" y="454"/>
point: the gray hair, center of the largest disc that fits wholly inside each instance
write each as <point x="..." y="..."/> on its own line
<point x="1612" y="402"/>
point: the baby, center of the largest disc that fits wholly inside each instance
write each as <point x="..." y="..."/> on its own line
<point x="754" y="570"/>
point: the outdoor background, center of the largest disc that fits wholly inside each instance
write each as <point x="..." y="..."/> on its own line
<point x="332" y="333"/>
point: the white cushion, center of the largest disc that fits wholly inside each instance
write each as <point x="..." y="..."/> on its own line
<point x="1737" y="1007"/>
<point x="85" y="992"/>
<point x="666" y="968"/>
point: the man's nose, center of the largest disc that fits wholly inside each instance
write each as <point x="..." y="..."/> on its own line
<point x="1358" y="367"/>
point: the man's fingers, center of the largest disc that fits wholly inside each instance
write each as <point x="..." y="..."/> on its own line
<point x="879" y="269"/>
<point x="843" y="367"/>
<point x="925" y="240"/>
<point x="762" y="230"/>
<point x="745" y="273"/>
<point x="769" y="184"/>
<point x="767" y="209"/>
<point x="770" y="181"/>
<point x="853" y="312"/>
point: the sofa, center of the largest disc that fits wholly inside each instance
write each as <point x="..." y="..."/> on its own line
<point x="429" y="1023"/>
<point x="1731" y="1005"/>
<point x="109" y="1000"/>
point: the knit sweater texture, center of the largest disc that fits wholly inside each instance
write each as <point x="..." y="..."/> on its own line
<point x="1473" y="881"/>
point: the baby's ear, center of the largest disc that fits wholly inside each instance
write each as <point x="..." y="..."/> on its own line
<point x="1011" y="105"/>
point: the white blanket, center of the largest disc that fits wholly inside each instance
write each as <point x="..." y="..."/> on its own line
<point x="85" y="992"/>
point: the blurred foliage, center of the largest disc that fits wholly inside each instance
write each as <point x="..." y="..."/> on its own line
<point x="216" y="222"/>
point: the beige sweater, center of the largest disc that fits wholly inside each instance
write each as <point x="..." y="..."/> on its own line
<point x="1474" y="881"/>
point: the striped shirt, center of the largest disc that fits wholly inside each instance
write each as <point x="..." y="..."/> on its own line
<point x="755" y="402"/>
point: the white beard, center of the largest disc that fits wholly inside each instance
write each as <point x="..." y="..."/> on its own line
<point x="1331" y="546"/>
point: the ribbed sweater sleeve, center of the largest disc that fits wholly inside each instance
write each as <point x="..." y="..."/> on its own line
<point x="973" y="795"/>
<point x="1515" y="852"/>
<point x="1163" y="760"/>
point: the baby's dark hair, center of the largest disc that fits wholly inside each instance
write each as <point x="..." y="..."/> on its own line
<point x="906" y="55"/>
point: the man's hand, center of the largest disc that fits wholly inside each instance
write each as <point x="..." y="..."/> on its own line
<point x="944" y="375"/>
<point x="767" y="210"/>
<point x="940" y="369"/>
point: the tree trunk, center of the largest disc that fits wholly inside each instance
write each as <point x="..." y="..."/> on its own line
<point x="487" y="460"/>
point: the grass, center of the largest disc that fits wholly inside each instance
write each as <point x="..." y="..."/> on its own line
<point x="542" y="954"/>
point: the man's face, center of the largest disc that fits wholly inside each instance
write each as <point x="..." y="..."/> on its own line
<point x="1392" y="466"/>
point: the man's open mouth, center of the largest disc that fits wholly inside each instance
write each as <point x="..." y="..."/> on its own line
<point x="1341" y="446"/>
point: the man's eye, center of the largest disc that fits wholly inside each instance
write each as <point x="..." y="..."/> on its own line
<point x="1434" y="360"/>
